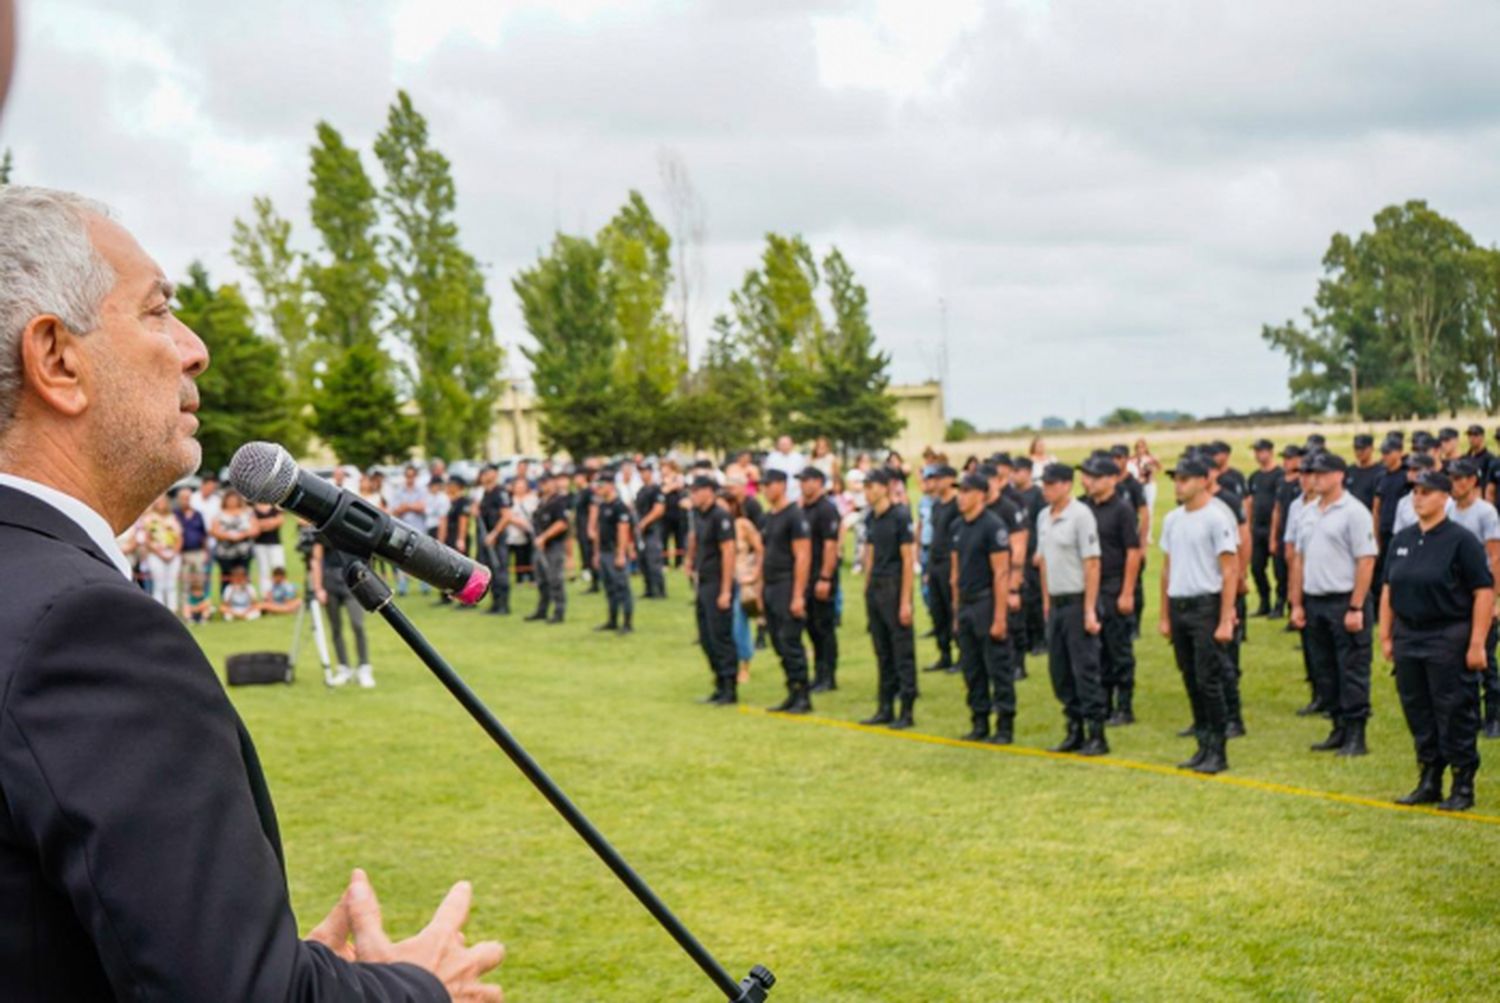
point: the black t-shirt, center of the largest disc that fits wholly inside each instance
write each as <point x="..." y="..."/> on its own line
<point x="612" y="515"/>
<point x="646" y="499"/>
<point x="822" y="525"/>
<point x="755" y="512"/>
<point x="1263" y="485"/>
<point x="1011" y="516"/>
<point x="1288" y="490"/>
<point x="1432" y="576"/>
<point x="1232" y="480"/>
<point x="550" y="512"/>
<point x="675" y="515"/>
<point x="711" y="529"/>
<point x="1133" y="490"/>
<point x="494" y="502"/>
<point x="1032" y="503"/>
<point x="1391" y="487"/>
<point x="267" y="537"/>
<point x="886" y="534"/>
<point x="940" y="551"/>
<point x="1118" y="532"/>
<point x="782" y="530"/>
<point x="456" y="512"/>
<point x="1361" y="482"/>
<point x="1235" y="501"/>
<point x="973" y="543"/>
<point x="1486" y="461"/>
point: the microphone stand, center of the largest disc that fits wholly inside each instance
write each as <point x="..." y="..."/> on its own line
<point x="375" y="596"/>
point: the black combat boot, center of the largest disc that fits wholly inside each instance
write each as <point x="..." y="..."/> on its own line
<point x="1313" y="709"/>
<point x="981" y="729"/>
<point x="628" y="627"/>
<point x="820" y="681"/>
<point x="943" y="664"/>
<point x="788" y="703"/>
<point x="903" y="720"/>
<point x="1235" y="729"/>
<point x="607" y="625"/>
<point x="1491" y="722"/>
<point x="1005" y="725"/>
<point x="801" y="704"/>
<point x="1214" y="759"/>
<point x="1335" y="739"/>
<point x="731" y="695"/>
<point x="717" y="696"/>
<point x="1095" y="744"/>
<point x="1197" y="758"/>
<point x="539" y="615"/>
<point x="881" y="716"/>
<point x="1264" y="609"/>
<point x="1073" y="741"/>
<point x="1124" y="708"/>
<point x="1461" y="795"/>
<point x="1191" y="731"/>
<point x="1429" y="789"/>
<point x="1354" y="740"/>
<point x="555" y="618"/>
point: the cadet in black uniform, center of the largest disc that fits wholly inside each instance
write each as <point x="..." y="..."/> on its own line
<point x="1262" y="485"/>
<point x="494" y="516"/>
<point x="939" y="565"/>
<point x="1229" y="478"/>
<point x="1033" y="639"/>
<point x="980" y="580"/>
<point x="1287" y="491"/>
<point x="1119" y="567"/>
<point x="583" y="513"/>
<point x="713" y="569"/>
<point x="1013" y="518"/>
<point x="823" y="524"/>
<point x="889" y="567"/>
<point x="1236" y="506"/>
<point x="651" y="515"/>
<point x="1364" y="475"/>
<point x="788" y="565"/>
<point x="550" y="524"/>
<point x="1391" y="486"/>
<point x="1435" y="615"/>
<point x="1481" y="455"/>
<point x="1134" y="492"/>
<point x="615" y="526"/>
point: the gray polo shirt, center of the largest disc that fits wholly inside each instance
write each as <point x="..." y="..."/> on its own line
<point x="1480" y="518"/>
<point x="1331" y="540"/>
<point x="1065" y="541"/>
<point x="1194" y="541"/>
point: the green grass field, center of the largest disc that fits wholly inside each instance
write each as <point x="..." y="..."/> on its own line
<point x="860" y="866"/>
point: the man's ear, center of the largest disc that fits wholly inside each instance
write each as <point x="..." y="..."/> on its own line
<point x="52" y="366"/>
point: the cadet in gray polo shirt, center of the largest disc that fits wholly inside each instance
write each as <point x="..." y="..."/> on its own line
<point x="1469" y="510"/>
<point x="1068" y="548"/>
<point x="1330" y="594"/>
<point x="1294" y="512"/>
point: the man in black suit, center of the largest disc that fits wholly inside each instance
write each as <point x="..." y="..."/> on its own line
<point x="139" y="852"/>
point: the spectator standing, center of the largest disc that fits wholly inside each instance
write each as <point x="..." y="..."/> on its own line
<point x="268" y="551"/>
<point x="160" y="540"/>
<point x="194" y="552"/>
<point x="785" y="457"/>
<point x="234" y="531"/>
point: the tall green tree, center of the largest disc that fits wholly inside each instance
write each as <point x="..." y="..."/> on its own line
<point x="846" y="397"/>
<point x="6" y="166"/>
<point x="244" y="392"/>
<point x="725" y="409"/>
<point x="776" y="315"/>
<point x="567" y="309"/>
<point x="348" y="279"/>
<point x="263" y="248"/>
<point x="438" y="306"/>
<point x="358" y="411"/>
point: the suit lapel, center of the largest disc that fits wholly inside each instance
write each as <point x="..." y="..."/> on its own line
<point x="19" y="509"/>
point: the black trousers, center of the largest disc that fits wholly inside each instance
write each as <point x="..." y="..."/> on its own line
<point x="497" y="559"/>
<point x="586" y="557"/>
<point x="823" y="632"/>
<point x="653" y="562"/>
<point x="1034" y="635"/>
<point x="1232" y="669"/>
<point x="940" y="605"/>
<point x="1117" y="648"/>
<point x="1340" y="661"/>
<point x="1074" y="661"/>
<point x="1260" y="559"/>
<point x="1489" y="683"/>
<point x="716" y="633"/>
<point x="616" y="587"/>
<point x="986" y="662"/>
<point x="786" y="632"/>
<point x="551" y="579"/>
<point x="1017" y="636"/>
<point x="895" y="645"/>
<point x="1202" y="661"/>
<point x="1439" y="695"/>
<point x="1284" y="574"/>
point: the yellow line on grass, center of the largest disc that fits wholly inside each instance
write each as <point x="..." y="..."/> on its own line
<point x="1128" y="764"/>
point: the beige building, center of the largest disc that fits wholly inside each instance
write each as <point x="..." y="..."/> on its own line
<point x="921" y="404"/>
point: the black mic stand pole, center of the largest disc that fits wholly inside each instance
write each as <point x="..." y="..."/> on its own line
<point x="375" y="596"/>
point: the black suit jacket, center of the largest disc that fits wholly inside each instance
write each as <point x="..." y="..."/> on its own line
<point x="139" y="854"/>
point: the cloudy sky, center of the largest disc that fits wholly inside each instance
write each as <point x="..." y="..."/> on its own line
<point x="1110" y="197"/>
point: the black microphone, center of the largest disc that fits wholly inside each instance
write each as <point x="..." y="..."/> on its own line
<point x="266" y="474"/>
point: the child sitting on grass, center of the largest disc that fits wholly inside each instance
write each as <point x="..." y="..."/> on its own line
<point x="198" y="606"/>
<point x="283" y="595"/>
<point x="239" y="600"/>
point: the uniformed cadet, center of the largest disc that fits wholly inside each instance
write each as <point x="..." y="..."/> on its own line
<point x="1390" y="487"/>
<point x="583" y="520"/>
<point x="1479" y="517"/>
<point x="1068" y="544"/>
<point x="823" y="525"/>
<point x="1228" y="478"/>
<point x="615" y="527"/>
<point x="1363" y="478"/>
<point x="1481" y="456"/>
<point x="889" y="562"/>
<point x="713" y="570"/>
<point x="1200" y="565"/>
<point x="1287" y="491"/>
<point x="1119" y="568"/>
<point x="1134" y="492"/>
<point x="1033" y="639"/>
<point x="494" y="516"/>
<point x="550" y="549"/>
<point x="1448" y="447"/>
<point x="651" y="517"/>
<point x="1010" y="513"/>
<point x="980" y="580"/>
<point x="788" y="566"/>
<point x="1406" y="514"/>
<point x="1235" y="505"/>
<point x="1315" y="705"/>
<point x="939" y="565"/>
<point x="1330" y="596"/>
<point x="1436" y="612"/>
<point x="1262" y="485"/>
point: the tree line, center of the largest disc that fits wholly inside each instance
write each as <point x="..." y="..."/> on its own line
<point x="1405" y="322"/>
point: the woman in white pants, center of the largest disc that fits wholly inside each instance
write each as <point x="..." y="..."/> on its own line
<point x="269" y="553"/>
<point x="160" y="537"/>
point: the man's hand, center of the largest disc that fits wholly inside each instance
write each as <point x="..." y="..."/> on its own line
<point x="1164" y="627"/>
<point x="822" y="590"/>
<point x="322" y="595"/>
<point x="1387" y="649"/>
<point x="997" y="629"/>
<point x="1476" y="661"/>
<point x="438" y="949"/>
<point x="1013" y="601"/>
<point x="799" y="607"/>
<point x="620" y="561"/>
<point x="1354" y="621"/>
<point x="1126" y="604"/>
<point x="1091" y="623"/>
<point x="903" y="613"/>
<point x="1298" y="618"/>
<point x="1224" y="632"/>
<point x="725" y="600"/>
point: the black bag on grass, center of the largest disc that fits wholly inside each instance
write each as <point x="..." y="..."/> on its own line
<point x="258" y="667"/>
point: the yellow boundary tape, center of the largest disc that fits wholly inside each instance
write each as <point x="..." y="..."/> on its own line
<point x="1128" y="764"/>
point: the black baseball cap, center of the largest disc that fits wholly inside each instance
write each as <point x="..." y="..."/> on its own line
<point x="1057" y="473"/>
<point x="1324" y="462"/>
<point x="1391" y="446"/>
<point x="1463" y="467"/>
<point x="1219" y="448"/>
<point x="1317" y="440"/>
<point x="1422" y="439"/>
<point x="1476" y="430"/>
<point x="1420" y="461"/>
<point x="944" y="471"/>
<point x="811" y="474"/>
<point x="1100" y="466"/>
<point x="1447" y="434"/>
<point x="879" y="475"/>
<point x="1433" y="480"/>
<point x="1363" y="441"/>
<point x="1119" y="450"/>
<point x="1023" y="463"/>
<point x="1003" y="460"/>
<point x="988" y="471"/>
<point x="774" y="477"/>
<point x="701" y="483"/>
<point x="1261" y="444"/>
<point x="974" y="482"/>
<point x="1291" y="450"/>
<point x="1190" y="466"/>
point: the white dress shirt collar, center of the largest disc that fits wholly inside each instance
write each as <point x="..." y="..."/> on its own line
<point x="91" y="522"/>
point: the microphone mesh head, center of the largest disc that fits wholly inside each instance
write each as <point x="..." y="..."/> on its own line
<point x="263" y="472"/>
